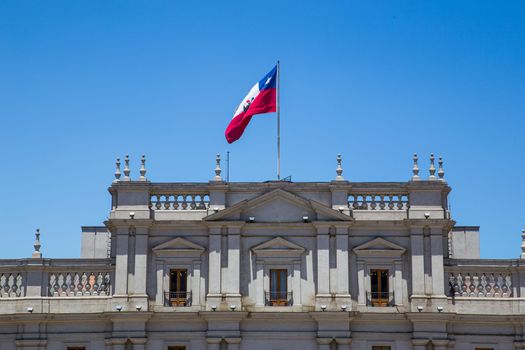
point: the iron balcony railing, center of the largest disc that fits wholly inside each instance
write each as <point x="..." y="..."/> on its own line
<point x="380" y="299"/>
<point x="177" y="298"/>
<point x="280" y="298"/>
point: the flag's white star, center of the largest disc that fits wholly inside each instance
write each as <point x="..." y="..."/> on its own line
<point x="268" y="81"/>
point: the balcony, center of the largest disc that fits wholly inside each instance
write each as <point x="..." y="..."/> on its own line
<point x="380" y="299"/>
<point x="177" y="298"/>
<point x="278" y="298"/>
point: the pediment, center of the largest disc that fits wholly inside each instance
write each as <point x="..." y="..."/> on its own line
<point x="379" y="247"/>
<point x="278" y="206"/>
<point x="278" y="247"/>
<point x="178" y="246"/>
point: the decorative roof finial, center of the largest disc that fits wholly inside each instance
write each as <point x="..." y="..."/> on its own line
<point x="126" y="168"/>
<point x="523" y="244"/>
<point x="37" y="254"/>
<point x="218" y="170"/>
<point x="432" y="169"/>
<point x="117" y="171"/>
<point x="143" y="168"/>
<point x="339" y="170"/>
<point x="441" y="172"/>
<point x="415" y="169"/>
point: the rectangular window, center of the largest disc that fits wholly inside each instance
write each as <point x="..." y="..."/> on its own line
<point x="178" y="294"/>
<point x="76" y="348"/>
<point x="278" y="287"/>
<point x="484" y="348"/>
<point x="379" y="291"/>
<point x="381" y="347"/>
<point x="177" y="347"/>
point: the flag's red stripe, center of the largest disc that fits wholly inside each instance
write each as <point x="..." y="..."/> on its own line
<point x="265" y="102"/>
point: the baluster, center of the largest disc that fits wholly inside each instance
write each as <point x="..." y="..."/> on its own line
<point x="192" y="202"/>
<point x="166" y="201"/>
<point x="508" y="282"/>
<point x="484" y="284"/>
<point x="51" y="285"/>
<point x="10" y="284"/>
<point x="475" y="284"/>
<point x="2" y="285"/>
<point x="18" y="284"/>
<point x="355" y="204"/>
<point x="373" y="204"/>
<point x="391" y="202"/>
<point x="69" y="288"/>
<point x="83" y="280"/>
<point x="107" y="282"/>
<point x="184" y="202"/>
<point x="382" y="202"/>
<point x="61" y="285"/>
<point x="77" y="285"/>
<point x="98" y="283"/>
<point x="158" y="204"/>
<point x="399" y="202"/>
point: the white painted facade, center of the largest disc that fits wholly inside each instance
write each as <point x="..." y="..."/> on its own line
<point x="329" y="238"/>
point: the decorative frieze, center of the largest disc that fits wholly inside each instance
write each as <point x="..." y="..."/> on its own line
<point x="69" y="284"/>
<point x="484" y="285"/>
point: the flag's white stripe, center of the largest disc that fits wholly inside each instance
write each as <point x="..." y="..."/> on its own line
<point x="252" y="94"/>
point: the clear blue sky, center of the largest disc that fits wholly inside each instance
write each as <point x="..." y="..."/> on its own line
<point x="84" y="82"/>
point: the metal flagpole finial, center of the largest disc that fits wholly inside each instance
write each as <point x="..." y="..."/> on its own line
<point x="37" y="254"/>
<point x="143" y="168"/>
<point x="339" y="170"/>
<point x="117" y="171"/>
<point x="218" y="169"/>
<point x="415" y="169"/>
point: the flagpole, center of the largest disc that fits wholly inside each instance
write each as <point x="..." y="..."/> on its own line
<point x="278" y="121"/>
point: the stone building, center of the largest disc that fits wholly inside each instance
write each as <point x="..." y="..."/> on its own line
<point x="275" y="265"/>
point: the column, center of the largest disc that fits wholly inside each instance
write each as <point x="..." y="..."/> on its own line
<point x="438" y="273"/>
<point x="324" y="343"/>
<point x="418" y="272"/>
<point x="214" y="260"/>
<point x="121" y="262"/>
<point x="233" y="343"/>
<point x="323" y="260"/>
<point x="419" y="344"/>
<point x="343" y="344"/>
<point x="342" y="259"/>
<point x="398" y="282"/>
<point x="141" y="260"/>
<point x="214" y="343"/>
<point x="234" y="240"/>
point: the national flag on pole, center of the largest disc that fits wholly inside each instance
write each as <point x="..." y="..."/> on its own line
<point x="261" y="99"/>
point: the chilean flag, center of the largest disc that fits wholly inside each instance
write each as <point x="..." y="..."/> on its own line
<point x="261" y="99"/>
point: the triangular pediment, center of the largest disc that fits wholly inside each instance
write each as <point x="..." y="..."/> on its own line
<point x="278" y="206"/>
<point x="179" y="246"/>
<point x="379" y="247"/>
<point x="278" y="247"/>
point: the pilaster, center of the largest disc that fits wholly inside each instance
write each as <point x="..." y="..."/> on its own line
<point x="121" y="262"/>
<point x="438" y="273"/>
<point x="418" y="262"/>
<point x="214" y="267"/>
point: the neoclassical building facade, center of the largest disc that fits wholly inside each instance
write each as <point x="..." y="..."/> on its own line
<point x="274" y="265"/>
